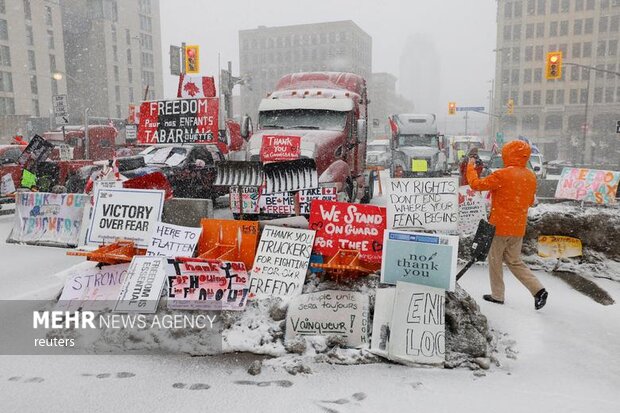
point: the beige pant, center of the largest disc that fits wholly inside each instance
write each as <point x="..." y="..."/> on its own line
<point x="508" y="250"/>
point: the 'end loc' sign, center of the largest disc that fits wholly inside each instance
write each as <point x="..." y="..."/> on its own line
<point x="60" y="109"/>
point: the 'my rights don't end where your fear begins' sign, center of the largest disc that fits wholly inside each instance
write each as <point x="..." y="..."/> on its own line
<point x="128" y="214"/>
<point x="423" y="203"/>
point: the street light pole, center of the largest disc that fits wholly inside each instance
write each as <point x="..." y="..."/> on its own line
<point x="86" y="142"/>
<point x="585" y="120"/>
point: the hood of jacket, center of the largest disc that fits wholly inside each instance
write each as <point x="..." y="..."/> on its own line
<point x="516" y="153"/>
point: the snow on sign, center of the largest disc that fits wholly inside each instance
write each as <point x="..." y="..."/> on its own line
<point x="128" y="214"/>
<point x="589" y="185"/>
<point x="340" y="225"/>
<point x="208" y="285"/>
<point x="142" y="285"/>
<point x="92" y="288"/>
<point x="329" y="313"/>
<point x="423" y="203"/>
<point x="281" y="262"/>
<point x="169" y="240"/>
<point x="416" y="258"/>
<point x="42" y="218"/>
<point x="179" y="121"/>
<point x="280" y="148"/>
<point x="417" y="329"/>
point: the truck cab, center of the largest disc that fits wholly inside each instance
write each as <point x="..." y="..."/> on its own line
<point x="417" y="147"/>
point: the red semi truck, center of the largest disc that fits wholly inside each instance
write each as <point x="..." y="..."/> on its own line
<point x="310" y="144"/>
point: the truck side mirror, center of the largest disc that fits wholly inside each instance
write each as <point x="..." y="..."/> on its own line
<point x="246" y="127"/>
<point x="361" y="130"/>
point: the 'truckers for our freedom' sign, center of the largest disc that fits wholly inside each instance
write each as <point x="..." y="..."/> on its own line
<point x="128" y="214"/>
<point x="179" y="121"/>
<point x="589" y="185"/>
<point x="340" y="225"/>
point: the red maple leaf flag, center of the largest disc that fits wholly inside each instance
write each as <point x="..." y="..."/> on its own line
<point x="196" y="87"/>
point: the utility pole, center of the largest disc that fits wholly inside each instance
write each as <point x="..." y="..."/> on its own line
<point x="585" y="121"/>
<point x="466" y="118"/>
<point x="86" y="139"/>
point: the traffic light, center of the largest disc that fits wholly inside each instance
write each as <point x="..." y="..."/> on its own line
<point x="553" y="69"/>
<point x="451" y="108"/>
<point x="192" y="59"/>
<point x="510" y="106"/>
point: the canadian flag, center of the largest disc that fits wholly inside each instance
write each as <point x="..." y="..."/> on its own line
<point x="196" y="87"/>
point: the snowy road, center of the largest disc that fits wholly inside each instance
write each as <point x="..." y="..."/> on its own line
<point x="564" y="359"/>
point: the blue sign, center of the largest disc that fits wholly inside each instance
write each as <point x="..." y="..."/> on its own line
<point x="470" y="109"/>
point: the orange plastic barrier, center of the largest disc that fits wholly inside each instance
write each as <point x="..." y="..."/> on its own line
<point x="228" y="240"/>
<point x="115" y="253"/>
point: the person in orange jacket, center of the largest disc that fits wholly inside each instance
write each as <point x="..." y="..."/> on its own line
<point x="512" y="193"/>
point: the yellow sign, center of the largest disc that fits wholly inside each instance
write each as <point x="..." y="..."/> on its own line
<point x="419" y="165"/>
<point x="460" y="153"/>
<point x="555" y="246"/>
<point x="192" y="59"/>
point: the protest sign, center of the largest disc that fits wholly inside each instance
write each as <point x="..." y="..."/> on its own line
<point x="128" y="214"/>
<point x="472" y="208"/>
<point x="424" y="259"/>
<point x="417" y="329"/>
<point x="92" y="288"/>
<point x="381" y="320"/>
<point x="588" y="185"/>
<point x="555" y="246"/>
<point x="280" y="148"/>
<point x="142" y="286"/>
<point x="281" y="262"/>
<point x="208" y="285"/>
<point x="45" y="218"/>
<point x="329" y="312"/>
<point x="179" y="121"/>
<point x="244" y="199"/>
<point x="7" y="186"/>
<point x="343" y="226"/>
<point x="173" y="240"/>
<point x="422" y="203"/>
<point x="105" y="184"/>
<point x="37" y="151"/>
<point x="282" y="203"/>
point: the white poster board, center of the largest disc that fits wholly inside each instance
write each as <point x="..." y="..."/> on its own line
<point x="329" y="312"/>
<point x="382" y="318"/>
<point x="142" y="286"/>
<point x="169" y="240"/>
<point x="128" y="214"/>
<point x="7" y="186"/>
<point x="472" y="208"/>
<point x="422" y="204"/>
<point x="93" y="289"/>
<point x="281" y="262"/>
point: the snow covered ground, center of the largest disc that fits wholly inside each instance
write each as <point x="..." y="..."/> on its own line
<point x="564" y="358"/>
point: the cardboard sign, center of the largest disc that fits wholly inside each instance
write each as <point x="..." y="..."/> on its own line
<point x="423" y="203"/>
<point x="472" y="208"/>
<point x="169" y="240"/>
<point x="381" y="320"/>
<point x="280" y="203"/>
<point x="37" y="151"/>
<point x="105" y="184"/>
<point x="416" y="258"/>
<point x="280" y="148"/>
<point x="142" y="285"/>
<point x="42" y="217"/>
<point x="329" y="312"/>
<point x="556" y="246"/>
<point x="128" y="214"/>
<point x="588" y="185"/>
<point x="93" y="288"/>
<point x="341" y="225"/>
<point x="417" y="330"/>
<point x="7" y="186"/>
<point x="281" y="262"/>
<point x="179" y="121"/>
<point x="209" y="285"/>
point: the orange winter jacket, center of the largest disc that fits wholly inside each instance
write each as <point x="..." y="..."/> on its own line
<point x="512" y="189"/>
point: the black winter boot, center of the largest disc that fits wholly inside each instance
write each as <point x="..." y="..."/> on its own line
<point x="540" y="299"/>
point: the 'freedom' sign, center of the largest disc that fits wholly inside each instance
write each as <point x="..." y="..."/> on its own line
<point x="179" y="121"/>
<point x="343" y="226"/>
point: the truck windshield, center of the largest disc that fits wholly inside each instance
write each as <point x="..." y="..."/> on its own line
<point x="303" y="119"/>
<point x="418" y="140"/>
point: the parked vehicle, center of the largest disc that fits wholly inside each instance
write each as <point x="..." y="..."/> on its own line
<point x="101" y="140"/>
<point x="417" y="147"/>
<point x="460" y="146"/>
<point x="497" y="162"/>
<point x="311" y="136"/>
<point x="379" y="153"/>
<point x="539" y="165"/>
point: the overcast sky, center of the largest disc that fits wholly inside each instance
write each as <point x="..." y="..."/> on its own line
<point x="464" y="32"/>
